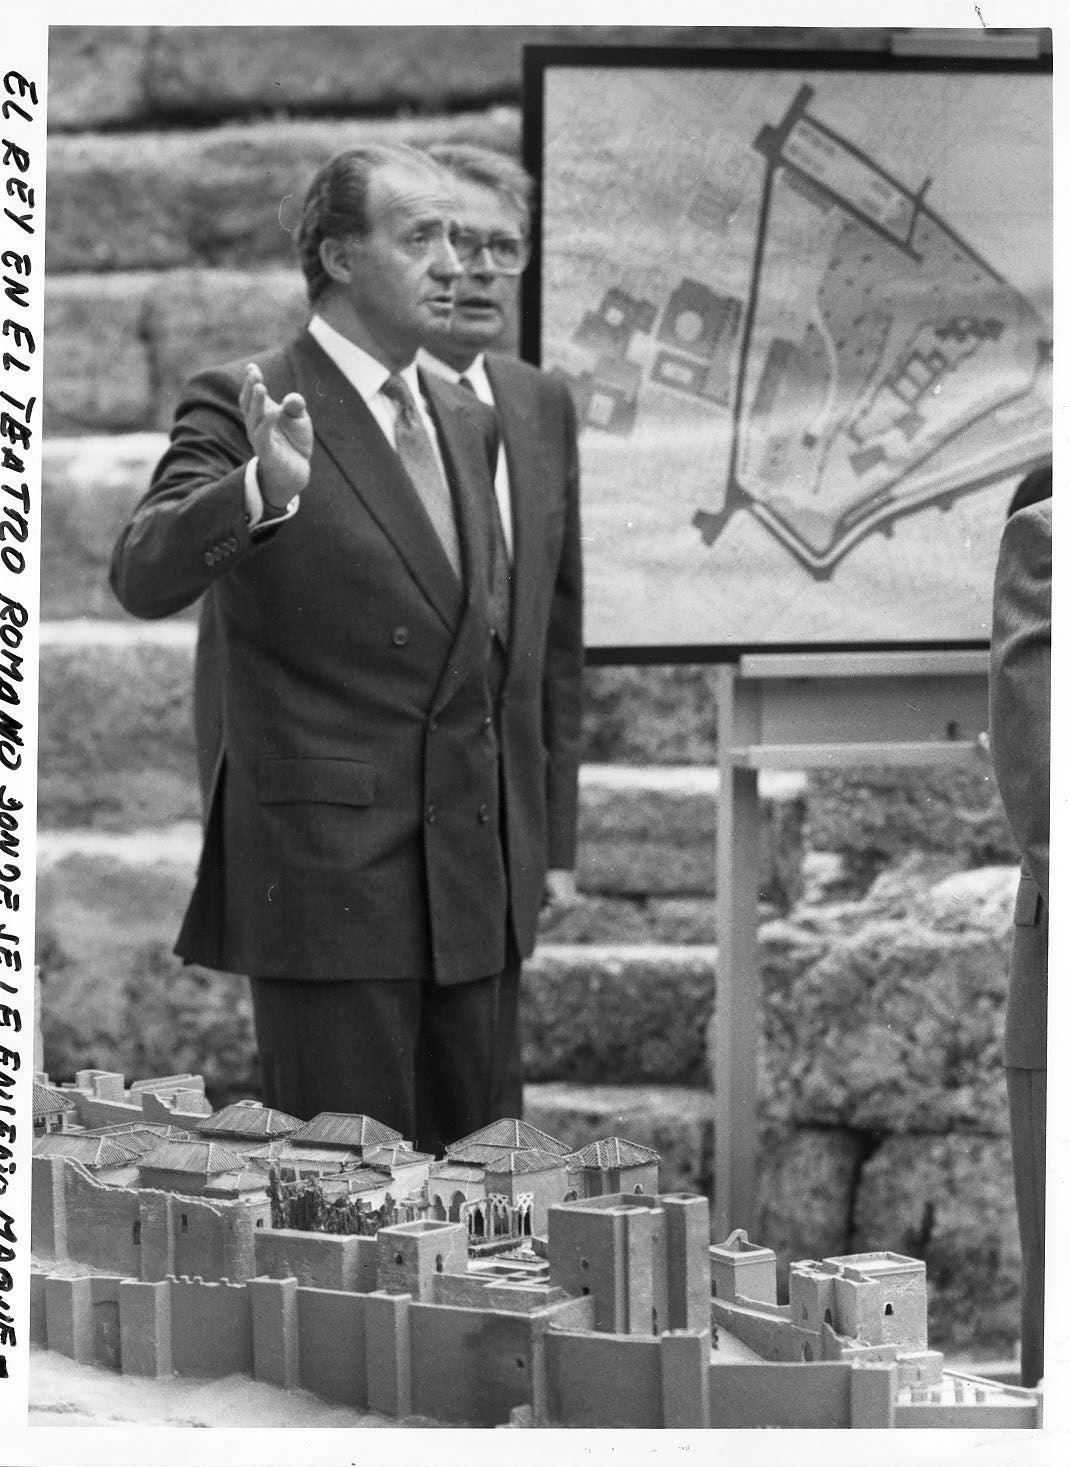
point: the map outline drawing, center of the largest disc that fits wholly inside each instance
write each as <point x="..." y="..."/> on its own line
<point x="878" y="511"/>
<point x="857" y="435"/>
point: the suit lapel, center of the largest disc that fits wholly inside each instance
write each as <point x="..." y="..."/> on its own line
<point x="349" y="435"/>
<point x="524" y="457"/>
<point x="462" y="447"/>
<point x="464" y="451"/>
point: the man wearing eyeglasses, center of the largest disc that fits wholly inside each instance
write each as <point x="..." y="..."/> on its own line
<point x="331" y="506"/>
<point x="538" y="531"/>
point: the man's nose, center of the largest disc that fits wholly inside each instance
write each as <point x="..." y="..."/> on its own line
<point x="481" y="264"/>
<point x="445" y="265"/>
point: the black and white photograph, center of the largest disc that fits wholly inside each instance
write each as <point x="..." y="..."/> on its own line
<point x="526" y="716"/>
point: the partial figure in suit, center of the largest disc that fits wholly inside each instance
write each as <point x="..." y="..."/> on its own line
<point x="1020" y="736"/>
<point x="537" y="494"/>
<point x="333" y="507"/>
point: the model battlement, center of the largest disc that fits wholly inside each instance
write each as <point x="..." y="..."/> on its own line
<point x="609" y="1309"/>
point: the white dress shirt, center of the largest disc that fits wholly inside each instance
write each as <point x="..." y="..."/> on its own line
<point x="366" y="375"/>
<point x="477" y="375"/>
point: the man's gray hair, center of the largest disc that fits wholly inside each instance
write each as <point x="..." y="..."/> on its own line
<point x="488" y="169"/>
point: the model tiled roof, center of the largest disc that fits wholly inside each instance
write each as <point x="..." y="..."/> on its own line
<point x="139" y="1140"/>
<point x="510" y="1133"/>
<point x="477" y="1153"/>
<point x="395" y="1155"/>
<point x="335" y="1128"/>
<point x="287" y="1155"/>
<point x="49" y="1102"/>
<point x="522" y="1163"/>
<point x="201" y="1158"/>
<point x="245" y="1181"/>
<point x="256" y="1122"/>
<point x="142" y="1137"/>
<point x="456" y="1171"/>
<point x="613" y="1152"/>
<point x="94" y="1152"/>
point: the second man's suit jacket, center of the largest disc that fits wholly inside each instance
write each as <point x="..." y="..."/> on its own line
<point x="1020" y="735"/>
<point x="352" y="828"/>
<point x="542" y="702"/>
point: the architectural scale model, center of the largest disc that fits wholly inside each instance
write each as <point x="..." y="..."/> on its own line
<point x="513" y="1280"/>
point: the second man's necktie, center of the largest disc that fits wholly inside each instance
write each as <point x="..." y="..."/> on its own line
<point x="418" y="457"/>
<point x="500" y="588"/>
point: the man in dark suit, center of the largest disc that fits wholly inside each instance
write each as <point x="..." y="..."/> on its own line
<point x="1020" y="736"/>
<point x="537" y="495"/>
<point x="336" y="508"/>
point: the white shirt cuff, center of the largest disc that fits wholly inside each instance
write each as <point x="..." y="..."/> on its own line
<point x="257" y="513"/>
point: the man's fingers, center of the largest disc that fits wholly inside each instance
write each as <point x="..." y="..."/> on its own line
<point x="251" y="378"/>
<point x="293" y="404"/>
<point x="254" y="404"/>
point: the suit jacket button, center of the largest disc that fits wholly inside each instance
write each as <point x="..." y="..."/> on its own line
<point x="484" y="815"/>
<point x="429" y="814"/>
<point x="400" y="636"/>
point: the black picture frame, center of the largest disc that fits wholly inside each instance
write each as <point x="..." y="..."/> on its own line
<point x="541" y="62"/>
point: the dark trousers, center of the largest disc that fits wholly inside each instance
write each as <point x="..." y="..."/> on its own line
<point x="433" y="1062"/>
<point x="1027" y="1097"/>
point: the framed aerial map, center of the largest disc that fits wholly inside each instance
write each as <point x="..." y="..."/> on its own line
<point x="804" y="305"/>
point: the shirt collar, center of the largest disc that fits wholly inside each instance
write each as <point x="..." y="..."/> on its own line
<point x="363" y="371"/>
<point x="476" y="372"/>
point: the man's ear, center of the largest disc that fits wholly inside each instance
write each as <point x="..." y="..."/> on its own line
<point x="334" y="257"/>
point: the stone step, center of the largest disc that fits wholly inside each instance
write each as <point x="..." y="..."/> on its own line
<point x="129" y="75"/>
<point x="616" y="1013"/>
<point x="115" y="734"/>
<point x="89" y="487"/>
<point x="154" y="329"/>
<point x="880" y="1016"/>
<point x="222" y="196"/>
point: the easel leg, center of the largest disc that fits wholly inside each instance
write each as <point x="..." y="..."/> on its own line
<point x="738" y="1002"/>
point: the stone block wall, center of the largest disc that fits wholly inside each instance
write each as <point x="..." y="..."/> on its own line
<point x="176" y="158"/>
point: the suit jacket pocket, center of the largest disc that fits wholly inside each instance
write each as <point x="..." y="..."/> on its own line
<point x="315" y="781"/>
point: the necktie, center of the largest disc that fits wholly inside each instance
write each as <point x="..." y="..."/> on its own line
<point x="499" y="586"/>
<point x="418" y="459"/>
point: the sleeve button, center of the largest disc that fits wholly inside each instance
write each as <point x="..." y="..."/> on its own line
<point x="484" y="815"/>
<point x="429" y="814"/>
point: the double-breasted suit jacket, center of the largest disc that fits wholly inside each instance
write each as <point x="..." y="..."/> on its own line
<point x="352" y="826"/>
<point x="538" y="720"/>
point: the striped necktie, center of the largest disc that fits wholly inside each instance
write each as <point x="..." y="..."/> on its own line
<point x="499" y="587"/>
<point x="418" y="458"/>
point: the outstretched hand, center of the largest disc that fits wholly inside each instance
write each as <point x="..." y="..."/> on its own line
<point x="281" y="437"/>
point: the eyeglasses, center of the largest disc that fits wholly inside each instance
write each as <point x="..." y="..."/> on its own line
<point x="508" y="252"/>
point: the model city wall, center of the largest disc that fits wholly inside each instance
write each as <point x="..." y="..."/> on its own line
<point x="886" y="894"/>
